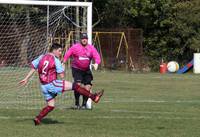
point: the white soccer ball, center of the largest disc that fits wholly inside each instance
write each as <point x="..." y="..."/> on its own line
<point x="172" y="66"/>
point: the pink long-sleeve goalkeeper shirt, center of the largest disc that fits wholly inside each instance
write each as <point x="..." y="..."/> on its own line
<point x="82" y="56"/>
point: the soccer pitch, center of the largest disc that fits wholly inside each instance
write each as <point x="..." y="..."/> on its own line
<point x="134" y="105"/>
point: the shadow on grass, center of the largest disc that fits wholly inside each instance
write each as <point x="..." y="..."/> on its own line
<point x="50" y="121"/>
<point x="44" y="121"/>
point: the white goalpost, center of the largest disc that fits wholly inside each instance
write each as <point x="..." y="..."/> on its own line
<point x="27" y="28"/>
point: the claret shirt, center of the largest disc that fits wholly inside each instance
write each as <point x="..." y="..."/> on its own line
<point x="48" y="67"/>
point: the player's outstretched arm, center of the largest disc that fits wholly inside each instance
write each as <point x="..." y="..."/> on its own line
<point x="25" y="80"/>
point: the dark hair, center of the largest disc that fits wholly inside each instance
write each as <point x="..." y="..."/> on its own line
<point x="55" y="46"/>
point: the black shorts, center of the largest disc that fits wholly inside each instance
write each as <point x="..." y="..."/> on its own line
<point x="84" y="77"/>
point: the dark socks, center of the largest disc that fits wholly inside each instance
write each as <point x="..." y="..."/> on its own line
<point x="84" y="100"/>
<point x="76" y="95"/>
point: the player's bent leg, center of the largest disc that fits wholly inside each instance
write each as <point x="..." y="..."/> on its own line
<point x="95" y="97"/>
<point x="49" y="91"/>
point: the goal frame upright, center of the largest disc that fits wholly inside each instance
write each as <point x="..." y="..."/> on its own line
<point x="59" y="3"/>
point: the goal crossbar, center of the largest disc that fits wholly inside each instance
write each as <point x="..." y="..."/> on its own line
<point x="59" y="3"/>
<point x="50" y="3"/>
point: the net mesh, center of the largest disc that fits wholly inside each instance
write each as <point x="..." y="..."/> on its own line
<point x="25" y="33"/>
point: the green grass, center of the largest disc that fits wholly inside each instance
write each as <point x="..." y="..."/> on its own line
<point x="134" y="105"/>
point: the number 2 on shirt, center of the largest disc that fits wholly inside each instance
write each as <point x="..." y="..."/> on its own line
<point x="45" y="65"/>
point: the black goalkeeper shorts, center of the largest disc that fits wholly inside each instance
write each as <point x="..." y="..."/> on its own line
<point x="84" y="77"/>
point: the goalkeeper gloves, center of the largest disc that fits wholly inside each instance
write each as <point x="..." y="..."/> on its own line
<point x="95" y="66"/>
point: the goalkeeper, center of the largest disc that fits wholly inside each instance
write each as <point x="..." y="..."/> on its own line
<point x="82" y="54"/>
<point x="48" y="66"/>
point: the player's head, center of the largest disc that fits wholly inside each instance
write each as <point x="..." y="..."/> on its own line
<point x="56" y="49"/>
<point x="84" y="39"/>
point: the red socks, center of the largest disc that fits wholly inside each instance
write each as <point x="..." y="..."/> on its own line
<point x="83" y="91"/>
<point x="44" y="112"/>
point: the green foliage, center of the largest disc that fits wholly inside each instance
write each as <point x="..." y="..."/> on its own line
<point x="17" y="9"/>
<point x="187" y="22"/>
<point x="24" y="11"/>
<point x="171" y="27"/>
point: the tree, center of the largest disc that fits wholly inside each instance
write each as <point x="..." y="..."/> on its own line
<point x="171" y="27"/>
<point x="187" y="24"/>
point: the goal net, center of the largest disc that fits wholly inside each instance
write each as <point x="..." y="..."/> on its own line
<point x="27" y="29"/>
